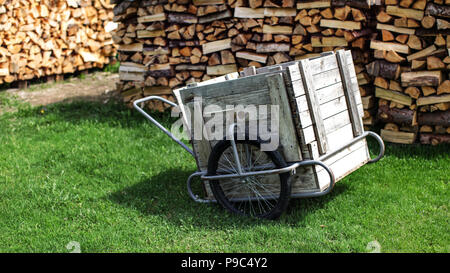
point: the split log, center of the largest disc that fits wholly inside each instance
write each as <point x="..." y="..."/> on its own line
<point x="383" y="69"/>
<point x="421" y="78"/>
<point x="398" y="137"/>
<point x="434" y="139"/>
<point x="438" y="10"/>
<point x="440" y="118"/>
<point x="397" y="116"/>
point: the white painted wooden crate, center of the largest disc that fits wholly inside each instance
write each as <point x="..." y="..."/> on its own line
<point x="320" y="110"/>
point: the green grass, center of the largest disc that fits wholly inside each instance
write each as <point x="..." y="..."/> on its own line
<point x="102" y="176"/>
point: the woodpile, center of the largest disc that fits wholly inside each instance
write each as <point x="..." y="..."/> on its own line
<point x="48" y="37"/>
<point x="168" y="44"/>
<point x="399" y="48"/>
<point x="411" y="70"/>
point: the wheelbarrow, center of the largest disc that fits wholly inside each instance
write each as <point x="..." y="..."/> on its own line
<point x="321" y="136"/>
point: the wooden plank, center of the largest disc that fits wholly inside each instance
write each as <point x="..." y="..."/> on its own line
<point x="344" y="163"/>
<point x="336" y="122"/>
<point x="294" y="73"/>
<point x="242" y="12"/>
<point x="398" y="137"/>
<point x="132" y="76"/>
<point x="287" y="136"/>
<point x="313" y="106"/>
<point x="215" y="17"/>
<point x="256" y="98"/>
<point x="249" y="71"/>
<point x="277" y="29"/>
<point x="408" y="13"/>
<point x="349" y="94"/>
<point x="216" y="46"/>
<point x="328" y="41"/>
<point x="433" y="100"/>
<point x="340" y="136"/>
<point x="330" y="92"/>
<point x="420" y="54"/>
<point x="152" y="18"/>
<point x="208" y="2"/>
<point x="368" y="102"/>
<point x="200" y="145"/>
<point x="221" y="69"/>
<point x="422" y="78"/>
<point x="252" y="56"/>
<point x="182" y="108"/>
<point x="304" y="181"/>
<point x="326" y="78"/>
<point x="272" y="47"/>
<point x="403" y="30"/>
<point x="226" y="88"/>
<point x="400" y="48"/>
<point x="314" y="5"/>
<point x="150" y="33"/>
<point x="279" y="12"/>
<point x="323" y="64"/>
<point x="357" y="95"/>
<point x="131" y="47"/>
<point x="348" y="25"/>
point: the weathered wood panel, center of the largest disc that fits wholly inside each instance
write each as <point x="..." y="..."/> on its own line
<point x="288" y="137"/>
<point x="313" y="105"/>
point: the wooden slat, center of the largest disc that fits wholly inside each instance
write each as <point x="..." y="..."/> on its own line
<point x="288" y="137"/>
<point x="336" y="122"/>
<point x="349" y="94"/>
<point x="327" y="109"/>
<point x="225" y="88"/>
<point x="326" y="78"/>
<point x="202" y="147"/>
<point x="344" y="163"/>
<point x="313" y="106"/>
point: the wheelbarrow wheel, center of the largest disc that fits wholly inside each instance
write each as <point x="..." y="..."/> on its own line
<point x="261" y="196"/>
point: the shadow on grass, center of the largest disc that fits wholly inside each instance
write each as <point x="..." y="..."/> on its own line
<point x="117" y="114"/>
<point x="76" y="110"/>
<point x="165" y="195"/>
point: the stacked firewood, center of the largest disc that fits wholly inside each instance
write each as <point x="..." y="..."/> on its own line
<point x="48" y="37"/>
<point x="332" y="25"/>
<point x="411" y="70"/>
<point x="399" y="49"/>
<point x="168" y="44"/>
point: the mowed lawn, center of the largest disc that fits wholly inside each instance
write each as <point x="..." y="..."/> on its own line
<point x="102" y="176"/>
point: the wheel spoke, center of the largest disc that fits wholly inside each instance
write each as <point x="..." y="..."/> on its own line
<point x="255" y="195"/>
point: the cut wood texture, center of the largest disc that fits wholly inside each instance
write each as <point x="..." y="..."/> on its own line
<point x="183" y="41"/>
<point x="422" y="28"/>
<point x="400" y="48"/>
<point x="46" y="38"/>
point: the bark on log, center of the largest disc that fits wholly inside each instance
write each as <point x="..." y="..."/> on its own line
<point x="352" y="3"/>
<point x="399" y="116"/>
<point x="434" y="139"/>
<point x="438" y="10"/>
<point x="383" y="69"/>
<point x="435" y="118"/>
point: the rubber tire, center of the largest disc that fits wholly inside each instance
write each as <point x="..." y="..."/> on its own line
<point x="277" y="159"/>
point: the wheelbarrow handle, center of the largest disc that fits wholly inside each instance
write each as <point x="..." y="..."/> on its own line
<point x="152" y="120"/>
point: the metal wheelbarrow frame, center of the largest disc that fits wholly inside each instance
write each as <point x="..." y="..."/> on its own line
<point x="242" y="173"/>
